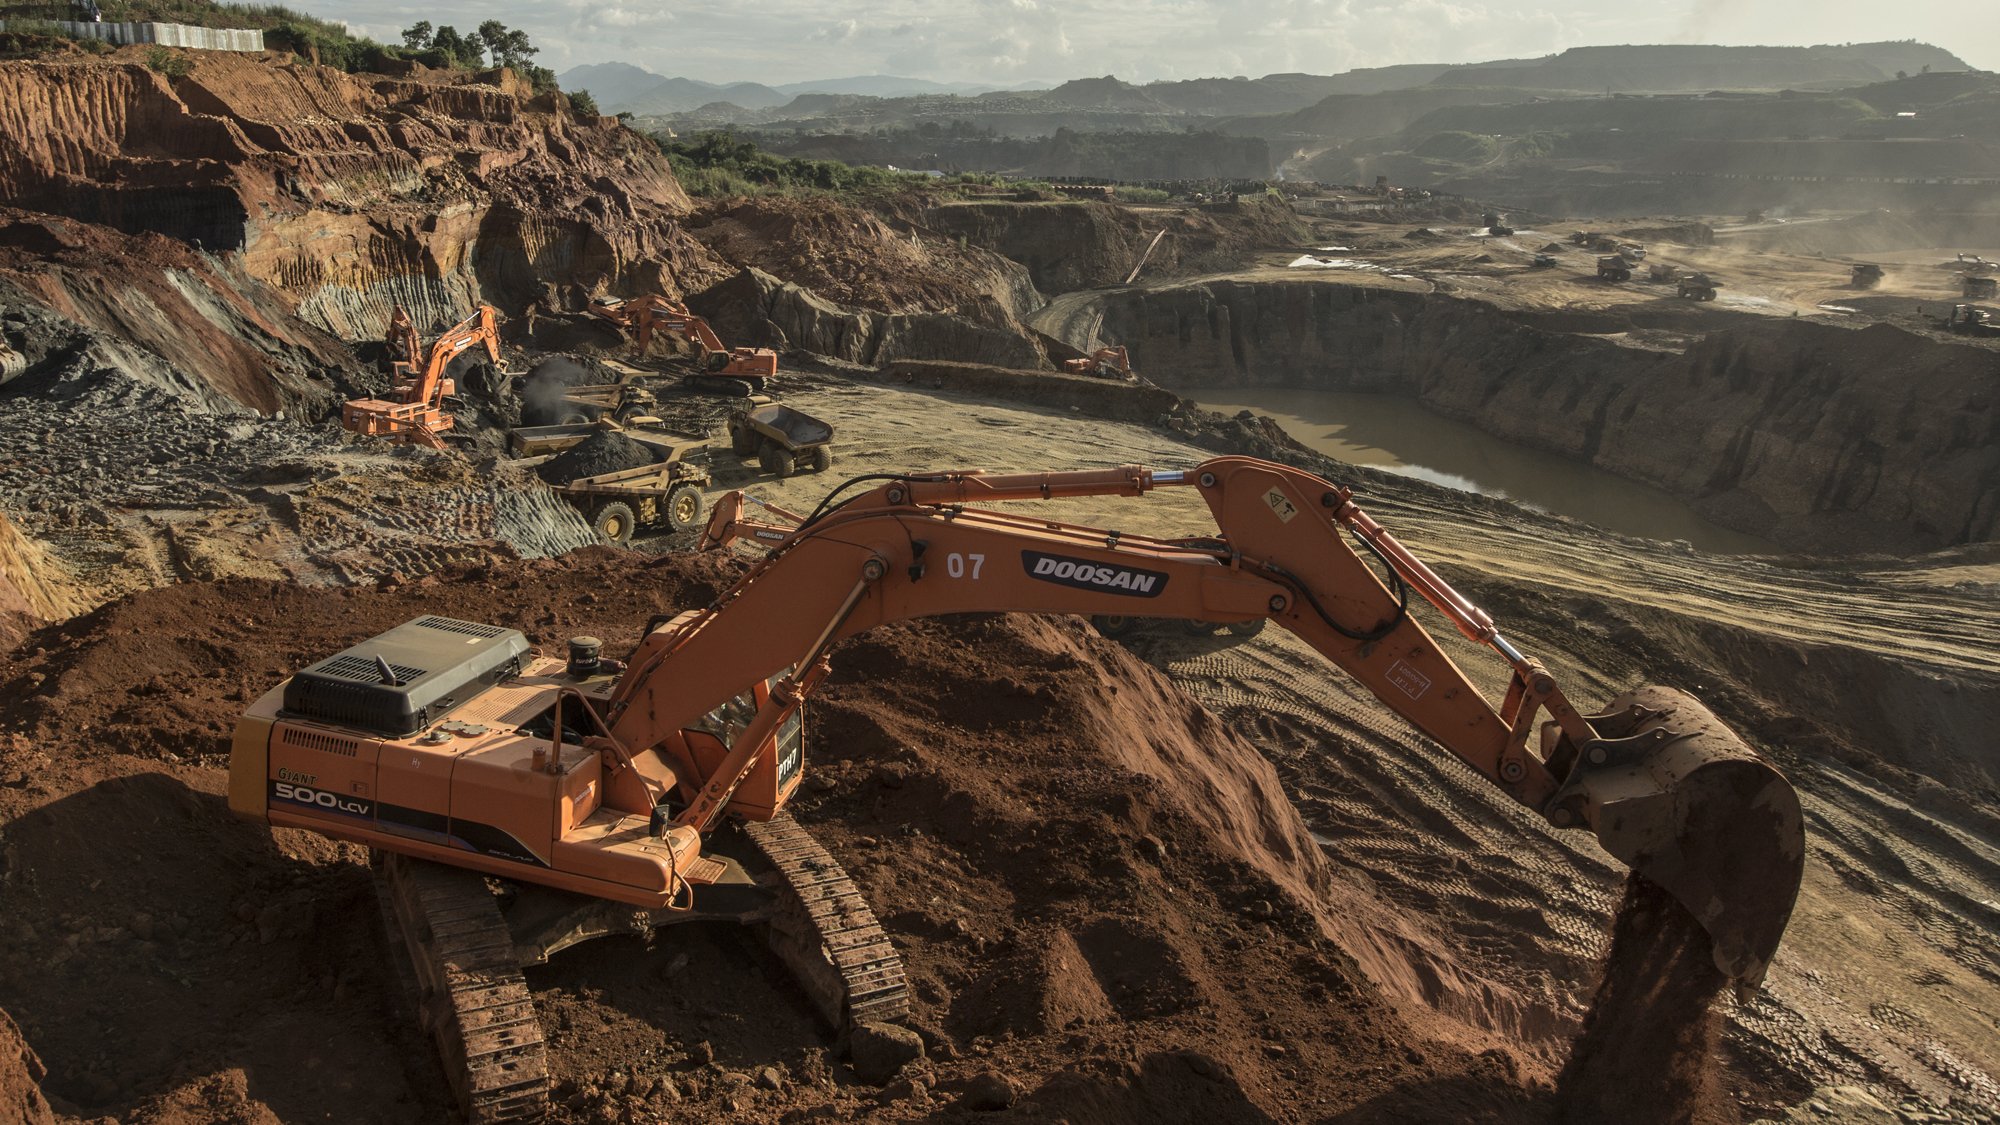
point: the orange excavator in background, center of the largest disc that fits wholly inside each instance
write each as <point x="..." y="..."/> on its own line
<point x="616" y="797"/>
<point x="414" y="409"/>
<point x="1105" y="363"/>
<point x="724" y="370"/>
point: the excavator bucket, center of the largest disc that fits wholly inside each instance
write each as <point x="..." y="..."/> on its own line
<point x="1686" y="803"/>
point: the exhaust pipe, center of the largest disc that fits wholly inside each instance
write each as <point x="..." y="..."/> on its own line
<point x="1679" y="798"/>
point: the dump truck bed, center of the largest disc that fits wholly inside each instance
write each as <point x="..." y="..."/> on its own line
<point x="790" y="428"/>
<point x="646" y="480"/>
<point x="534" y="441"/>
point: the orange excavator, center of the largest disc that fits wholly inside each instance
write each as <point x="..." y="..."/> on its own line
<point x="414" y="409"/>
<point x="616" y="797"/>
<point x="1105" y="363"/>
<point x="739" y="372"/>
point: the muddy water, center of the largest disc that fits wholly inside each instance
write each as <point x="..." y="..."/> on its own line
<point x="1388" y="432"/>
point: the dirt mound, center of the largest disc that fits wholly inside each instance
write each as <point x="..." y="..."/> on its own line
<point x="1097" y="888"/>
<point x="607" y="451"/>
<point x="21" y="1074"/>
<point x="33" y="586"/>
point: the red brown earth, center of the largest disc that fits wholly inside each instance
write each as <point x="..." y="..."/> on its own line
<point x="1100" y="892"/>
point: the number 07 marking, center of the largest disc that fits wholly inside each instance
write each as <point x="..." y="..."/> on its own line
<point x="954" y="564"/>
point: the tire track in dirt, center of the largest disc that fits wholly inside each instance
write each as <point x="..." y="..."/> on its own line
<point x="1776" y="644"/>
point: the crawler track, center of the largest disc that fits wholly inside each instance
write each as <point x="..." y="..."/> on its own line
<point x="471" y="995"/>
<point x="823" y="930"/>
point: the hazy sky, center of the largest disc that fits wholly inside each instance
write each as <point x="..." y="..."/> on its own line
<point x="1013" y="41"/>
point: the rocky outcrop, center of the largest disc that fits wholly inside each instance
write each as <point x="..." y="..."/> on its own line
<point x="1081" y="245"/>
<point x="1820" y="437"/>
<point x="76" y="298"/>
<point x="856" y="257"/>
<point x="754" y="308"/>
<point x="348" y="192"/>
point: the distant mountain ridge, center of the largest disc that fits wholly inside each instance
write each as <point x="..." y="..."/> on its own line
<point x="1696" y="68"/>
<point x="1336" y="106"/>
<point x="622" y="87"/>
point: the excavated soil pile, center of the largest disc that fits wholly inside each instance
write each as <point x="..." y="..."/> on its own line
<point x="1101" y="894"/>
<point x="604" y="452"/>
<point x="21" y="1073"/>
<point x="1643" y="1057"/>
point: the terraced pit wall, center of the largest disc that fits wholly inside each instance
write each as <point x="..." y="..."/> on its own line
<point x="352" y="193"/>
<point x="1822" y="438"/>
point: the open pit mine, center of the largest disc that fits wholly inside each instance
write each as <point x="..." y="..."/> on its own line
<point x="487" y="634"/>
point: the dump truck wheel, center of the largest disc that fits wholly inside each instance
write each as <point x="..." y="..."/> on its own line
<point x="742" y="440"/>
<point x="1114" y="625"/>
<point x="614" y="522"/>
<point x="682" y="507"/>
<point x="820" y="459"/>
<point x="574" y="418"/>
<point x="775" y="460"/>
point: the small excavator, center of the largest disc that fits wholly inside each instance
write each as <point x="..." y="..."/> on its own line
<point x="1104" y="363"/>
<point x="739" y="372"/>
<point x="616" y="797"/>
<point x="414" y="409"/>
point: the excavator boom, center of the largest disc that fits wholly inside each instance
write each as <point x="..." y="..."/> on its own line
<point x="451" y="742"/>
<point x="1659" y="780"/>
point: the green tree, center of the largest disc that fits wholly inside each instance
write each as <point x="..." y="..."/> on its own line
<point x="458" y="50"/>
<point x="417" y="36"/>
<point x="509" y="47"/>
<point x="583" y="103"/>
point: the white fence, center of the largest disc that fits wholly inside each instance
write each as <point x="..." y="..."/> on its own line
<point x="165" y="34"/>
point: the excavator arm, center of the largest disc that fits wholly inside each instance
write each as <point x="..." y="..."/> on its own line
<point x="643" y="316"/>
<point x="414" y="409"/>
<point x="1662" y="784"/>
<point x="481" y="328"/>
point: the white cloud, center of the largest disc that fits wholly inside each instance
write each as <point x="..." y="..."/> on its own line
<point x="1143" y="40"/>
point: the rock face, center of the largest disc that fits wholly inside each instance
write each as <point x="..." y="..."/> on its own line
<point x="195" y="324"/>
<point x="349" y="192"/>
<point x="757" y="309"/>
<point x="1081" y="245"/>
<point x="1820" y="437"/>
<point x="859" y="258"/>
